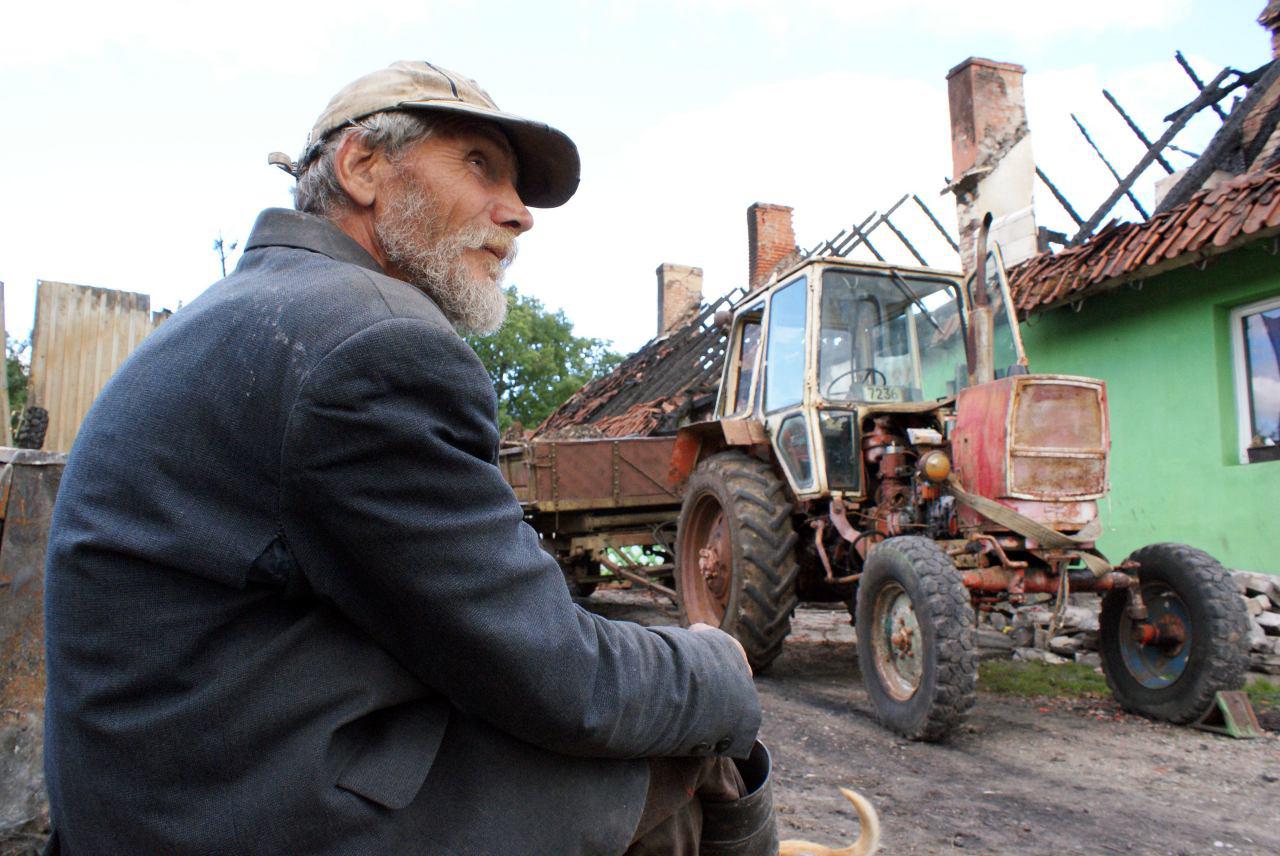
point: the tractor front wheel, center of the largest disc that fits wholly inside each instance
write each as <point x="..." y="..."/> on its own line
<point x="916" y="639"/>
<point x="735" y="554"/>
<point x="1192" y="644"/>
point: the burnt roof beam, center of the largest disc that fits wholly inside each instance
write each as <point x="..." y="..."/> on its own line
<point x="1183" y="116"/>
<point x="1133" y="126"/>
<point x="1088" y="139"/>
<point x="1227" y="136"/>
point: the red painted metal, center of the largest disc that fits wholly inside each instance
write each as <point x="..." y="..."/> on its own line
<point x="1035" y="443"/>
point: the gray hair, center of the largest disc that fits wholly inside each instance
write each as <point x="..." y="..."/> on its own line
<point x="319" y="191"/>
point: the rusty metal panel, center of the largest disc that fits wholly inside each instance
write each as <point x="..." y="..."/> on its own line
<point x="1058" y="439"/>
<point x="600" y="473"/>
<point x="514" y="464"/>
<point x="28" y="484"/>
<point x="1035" y="443"/>
<point x="82" y="334"/>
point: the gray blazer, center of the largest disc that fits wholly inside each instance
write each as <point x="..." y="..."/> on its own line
<point x="292" y="607"/>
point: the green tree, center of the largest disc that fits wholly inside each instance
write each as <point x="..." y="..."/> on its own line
<point x="536" y="362"/>
<point x="17" y="374"/>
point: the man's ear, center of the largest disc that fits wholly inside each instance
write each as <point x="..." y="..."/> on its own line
<point x="355" y="164"/>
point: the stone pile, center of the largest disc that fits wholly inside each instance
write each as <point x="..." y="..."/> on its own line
<point x="1029" y="631"/>
<point x="1261" y="593"/>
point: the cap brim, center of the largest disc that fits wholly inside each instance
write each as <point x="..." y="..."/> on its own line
<point x="548" y="160"/>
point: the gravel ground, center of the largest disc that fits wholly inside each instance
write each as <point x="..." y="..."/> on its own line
<point x="1025" y="775"/>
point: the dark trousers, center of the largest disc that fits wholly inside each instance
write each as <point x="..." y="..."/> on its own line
<point x="671" y="823"/>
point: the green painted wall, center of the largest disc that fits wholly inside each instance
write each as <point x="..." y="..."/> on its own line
<point x="1165" y="353"/>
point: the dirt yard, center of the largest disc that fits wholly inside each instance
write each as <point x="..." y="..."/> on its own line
<point x="1060" y="776"/>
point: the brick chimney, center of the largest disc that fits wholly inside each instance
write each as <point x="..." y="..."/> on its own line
<point x="991" y="157"/>
<point x="770" y="239"/>
<point x="1270" y="18"/>
<point x="679" y="295"/>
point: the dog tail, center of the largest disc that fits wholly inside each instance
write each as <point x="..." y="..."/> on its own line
<point x="868" y="836"/>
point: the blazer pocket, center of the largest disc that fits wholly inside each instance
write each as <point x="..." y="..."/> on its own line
<point x="396" y="752"/>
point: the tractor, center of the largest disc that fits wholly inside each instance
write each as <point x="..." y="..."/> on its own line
<point x="879" y="439"/>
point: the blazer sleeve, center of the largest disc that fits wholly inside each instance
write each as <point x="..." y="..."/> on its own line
<point x="398" y="515"/>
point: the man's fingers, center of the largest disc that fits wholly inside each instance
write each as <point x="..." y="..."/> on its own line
<point x="699" y="627"/>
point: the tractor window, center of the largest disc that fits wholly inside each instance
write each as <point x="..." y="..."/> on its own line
<point x="784" y="353"/>
<point x="844" y="460"/>
<point x="748" y="346"/>
<point x="887" y="337"/>
<point x="795" y="451"/>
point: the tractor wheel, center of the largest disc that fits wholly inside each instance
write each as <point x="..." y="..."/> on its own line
<point x="916" y="639"/>
<point x="735" y="554"/>
<point x="1203" y="629"/>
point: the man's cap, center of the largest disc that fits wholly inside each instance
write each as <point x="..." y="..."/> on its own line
<point x="547" y="159"/>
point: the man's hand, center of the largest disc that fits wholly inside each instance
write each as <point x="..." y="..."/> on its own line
<point x="699" y="627"/>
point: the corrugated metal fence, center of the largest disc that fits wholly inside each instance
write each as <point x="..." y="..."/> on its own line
<point x="82" y="334"/>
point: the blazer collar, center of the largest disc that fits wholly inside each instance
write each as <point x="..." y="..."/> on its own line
<point x="281" y="227"/>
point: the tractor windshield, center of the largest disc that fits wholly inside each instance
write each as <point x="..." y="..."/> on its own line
<point x="889" y="337"/>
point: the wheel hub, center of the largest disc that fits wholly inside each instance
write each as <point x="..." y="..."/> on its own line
<point x="707" y="563"/>
<point x="896" y="644"/>
<point x="1155" y="651"/>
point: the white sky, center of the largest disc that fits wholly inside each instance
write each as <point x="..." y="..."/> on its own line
<point x="135" y="131"/>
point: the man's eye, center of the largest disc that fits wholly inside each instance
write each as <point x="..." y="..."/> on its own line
<point x="478" y="159"/>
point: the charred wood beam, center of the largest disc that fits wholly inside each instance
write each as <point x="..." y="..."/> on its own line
<point x="1215" y="92"/>
<point x="1228" y="136"/>
<point x="1209" y="96"/>
<point x="1195" y="78"/>
<point x="905" y="242"/>
<point x="1088" y="139"/>
<point x="1057" y="194"/>
<point x="840" y="246"/>
<point x="860" y="235"/>
<point x="934" y="221"/>
<point x="1133" y="126"/>
<point x="862" y="238"/>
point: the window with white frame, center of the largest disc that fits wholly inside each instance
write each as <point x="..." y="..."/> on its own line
<point x="1255" y="342"/>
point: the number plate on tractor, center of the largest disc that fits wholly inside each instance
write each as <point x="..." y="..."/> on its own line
<point x="883" y="393"/>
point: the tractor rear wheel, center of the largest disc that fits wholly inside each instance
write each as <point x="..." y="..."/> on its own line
<point x="1200" y="629"/>
<point x="735" y="554"/>
<point x="916" y="639"/>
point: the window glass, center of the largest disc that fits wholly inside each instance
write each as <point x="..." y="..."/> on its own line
<point x="888" y="337"/>
<point x="793" y="449"/>
<point x="784" y="355"/>
<point x="1258" y="375"/>
<point x="843" y="460"/>
<point x="748" y="345"/>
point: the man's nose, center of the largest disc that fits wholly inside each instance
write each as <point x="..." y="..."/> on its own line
<point x="511" y="213"/>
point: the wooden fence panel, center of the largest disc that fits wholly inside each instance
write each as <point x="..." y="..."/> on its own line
<point x="82" y="334"/>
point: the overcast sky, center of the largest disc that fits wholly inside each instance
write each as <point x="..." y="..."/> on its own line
<point x="135" y="132"/>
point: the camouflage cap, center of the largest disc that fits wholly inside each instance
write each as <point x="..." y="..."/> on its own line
<point x="547" y="158"/>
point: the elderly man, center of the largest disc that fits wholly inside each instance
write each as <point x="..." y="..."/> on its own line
<point x="292" y="607"/>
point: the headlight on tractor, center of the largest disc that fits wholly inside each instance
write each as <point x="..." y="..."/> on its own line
<point x="935" y="466"/>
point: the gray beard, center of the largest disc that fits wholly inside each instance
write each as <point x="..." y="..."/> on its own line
<point x="411" y="236"/>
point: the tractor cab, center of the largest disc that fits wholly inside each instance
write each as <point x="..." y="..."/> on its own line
<point x="834" y="340"/>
